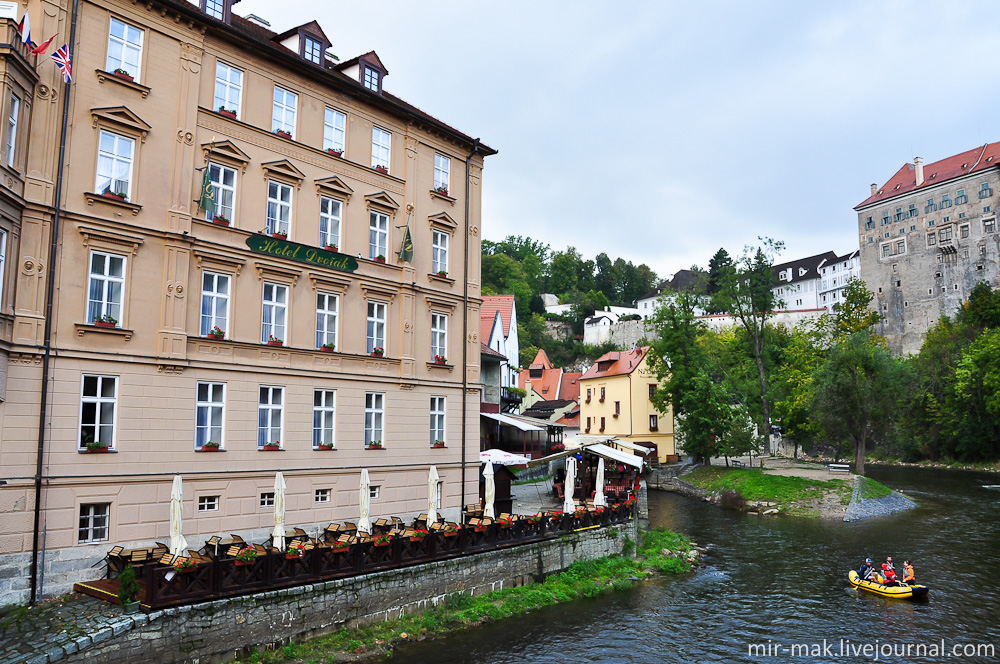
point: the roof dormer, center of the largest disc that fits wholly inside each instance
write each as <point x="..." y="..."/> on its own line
<point x="308" y="40"/>
<point x="367" y="70"/>
<point x="221" y="10"/>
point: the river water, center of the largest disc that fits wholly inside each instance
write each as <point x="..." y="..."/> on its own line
<point x="781" y="584"/>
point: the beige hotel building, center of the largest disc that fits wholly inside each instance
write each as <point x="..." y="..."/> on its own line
<point x="114" y="278"/>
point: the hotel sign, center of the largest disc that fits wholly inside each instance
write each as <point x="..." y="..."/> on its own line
<point x="293" y="251"/>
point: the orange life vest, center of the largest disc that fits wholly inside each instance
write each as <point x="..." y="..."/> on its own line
<point x="908" y="573"/>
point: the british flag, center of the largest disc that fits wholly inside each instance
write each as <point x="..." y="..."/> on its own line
<point x="61" y="58"/>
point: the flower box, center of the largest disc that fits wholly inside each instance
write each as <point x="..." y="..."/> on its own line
<point x="449" y="533"/>
<point x="227" y="113"/>
<point x="210" y="448"/>
<point x="382" y="169"/>
<point x="104" y="323"/>
<point x="293" y="556"/>
<point x="275" y="343"/>
<point x="480" y="529"/>
<point x="442" y="273"/>
<point x="244" y="563"/>
<point x="331" y="247"/>
<point x="381" y="540"/>
<point x="438" y="446"/>
<point x="97" y="450"/>
<point x="335" y="153"/>
<point x="441" y="190"/>
<point x="326" y="349"/>
<point x="324" y="447"/>
<point x="271" y="448"/>
<point x="121" y="73"/>
<point x="113" y="196"/>
<point x="341" y="549"/>
<point x="379" y="259"/>
<point x="377" y="352"/>
<point x="280" y="236"/>
<point x="222" y="221"/>
<point x="371" y="446"/>
<point x="283" y="133"/>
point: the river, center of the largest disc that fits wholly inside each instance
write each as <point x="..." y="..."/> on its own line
<point x="781" y="583"/>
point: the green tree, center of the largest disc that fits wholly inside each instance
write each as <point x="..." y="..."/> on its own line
<point x="801" y="358"/>
<point x="975" y="399"/>
<point x="855" y="313"/>
<point x="721" y="271"/>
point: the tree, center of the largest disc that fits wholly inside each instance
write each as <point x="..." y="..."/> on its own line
<point x="855" y="313"/>
<point x="801" y="358"/>
<point x="720" y="272"/>
<point x="859" y="392"/>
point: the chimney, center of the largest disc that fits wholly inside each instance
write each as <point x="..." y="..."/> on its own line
<point x="874" y="188"/>
<point x="918" y="163"/>
<point x="253" y="18"/>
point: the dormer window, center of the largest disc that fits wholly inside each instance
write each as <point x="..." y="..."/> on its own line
<point x="218" y="9"/>
<point x="372" y="79"/>
<point x="312" y="50"/>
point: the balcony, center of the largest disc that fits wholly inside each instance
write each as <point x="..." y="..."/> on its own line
<point x="510" y="398"/>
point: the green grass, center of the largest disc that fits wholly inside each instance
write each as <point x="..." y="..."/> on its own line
<point x="582" y="580"/>
<point x="872" y="489"/>
<point x="755" y="485"/>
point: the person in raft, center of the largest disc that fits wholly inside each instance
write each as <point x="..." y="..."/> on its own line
<point x="889" y="572"/>
<point x="908" y="572"/>
<point x="867" y="571"/>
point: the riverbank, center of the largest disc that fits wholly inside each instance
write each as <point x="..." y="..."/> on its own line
<point x="660" y="552"/>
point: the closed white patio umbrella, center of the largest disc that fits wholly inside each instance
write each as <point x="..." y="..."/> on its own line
<point x="365" y="523"/>
<point x="491" y="491"/>
<point x="177" y="542"/>
<point x="568" y="505"/>
<point x="599" y="499"/>
<point x="432" y="487"/>
<point x="278" y="534"/>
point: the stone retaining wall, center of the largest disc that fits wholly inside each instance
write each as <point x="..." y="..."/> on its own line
<point x="219" y="630"/>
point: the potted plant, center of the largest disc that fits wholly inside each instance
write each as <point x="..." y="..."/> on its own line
<point x="340" y="547"/>
<point x="246" y="556"/>
<point x="378" y="351"/>
<point x="556" y="515"/>
<point x="327" y="347"/>
<point x="336" y="152"/>
<point x="296" y="549"/>
<point x="438" y="444"/>
<point x="106" y="320"/>
<point x="274" y="341"/>
<point x="128" y="589"/>
<point x="121" y="73"/>
<point x="210" y="446"/>
<point x="115" y="196"/>
<point x="382" y="169"/>
<point x="380" y="258"/>
<point x="272" y="446"/>
<point x="441" y="189"/>
<point x="330" y="247"/>
<point x="449" y="530"/>
<point x="281" y="235"/>
<point x="375" y="445"/>
<point x="228" y="113"/>
<point x="381" y="540"/>
<point x="419" y="534"/>
<point x="440" y="359"/>
<point x="442" y="273"/>
<point x="283" y="133"/>
<point x="580" y="512"/>
<point x="324" y="446"/>
<point x="505" y="522"/>
<point x="535" y="518"/>
<point x="216" y="332"/>
<point x="96" y="446"/>
<point x="220" y="220"/>
<point x="183" y="565"/>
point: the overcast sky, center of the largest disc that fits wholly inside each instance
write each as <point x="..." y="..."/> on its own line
<point x="660" y="131"/>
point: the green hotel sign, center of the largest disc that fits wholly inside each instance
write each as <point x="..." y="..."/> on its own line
<point x="269" y="246"/>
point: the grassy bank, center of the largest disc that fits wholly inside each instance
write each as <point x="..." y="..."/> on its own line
<point x="581" y="580"/>
<point x="872" y="489"/>
<point x="797" y="496"/>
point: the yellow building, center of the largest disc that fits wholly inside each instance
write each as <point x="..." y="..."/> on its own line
<point x="615" y="401"/>
<point x="291" y="318"/>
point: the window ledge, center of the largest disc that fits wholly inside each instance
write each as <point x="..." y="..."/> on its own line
<point x="133" y="207"/>
<point x="372" y="261"/>
<point x="103" y="76"/>
<point x="203" y="451"/>
<point x="324" y="449"/>
<point x="442" y="197"/>
<point x="110" y="451"/>
<point x="84" y="328"/>
<point x="441" y="365"/>
<point x="433" y="276"/>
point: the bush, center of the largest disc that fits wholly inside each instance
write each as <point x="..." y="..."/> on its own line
<point x="129" y="588"/>
<point x="731" y="499"/>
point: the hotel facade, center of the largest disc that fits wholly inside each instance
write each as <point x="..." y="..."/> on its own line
<point x="247" y="257"/>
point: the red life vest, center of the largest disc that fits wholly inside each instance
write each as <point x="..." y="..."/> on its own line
<point x="888" y="572"/>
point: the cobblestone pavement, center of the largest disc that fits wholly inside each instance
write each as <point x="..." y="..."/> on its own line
<point x="58" y="627"/>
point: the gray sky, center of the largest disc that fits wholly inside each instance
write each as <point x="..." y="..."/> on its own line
<point x="660" y="131"/>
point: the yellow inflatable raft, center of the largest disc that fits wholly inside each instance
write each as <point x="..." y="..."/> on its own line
<point x="902" y="592"/>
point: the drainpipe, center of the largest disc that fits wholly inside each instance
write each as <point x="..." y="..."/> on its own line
<point x="49" y="297"/>
<point x="465" y="314"/>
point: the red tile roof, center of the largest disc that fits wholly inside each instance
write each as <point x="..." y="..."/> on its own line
<point x="570" y="386"/>
<point x="570" y="419"/>
<point x="489" y="352"/>
<point x="904" y="181"/>
<point x="488" y="309"/>
<point x="622" y="363"/>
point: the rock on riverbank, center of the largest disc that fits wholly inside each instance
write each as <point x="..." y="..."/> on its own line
<point x="866" y="508"/>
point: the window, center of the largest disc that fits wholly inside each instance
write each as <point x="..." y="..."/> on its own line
<point x="618" y="408"/>
<point x="986" y="209"/>
<point x="587" y="430"/>
<point x="124" y="48"/>
<point x="439" y="335"/>
<point x="324" y="417"/>
<point x="98" y="410"/>
<point x="437" y="419"/>
<point x="961" y="215"/>
<point x="327" y="305"/>
<point x="652" y="390"/>
<point x="322" y="495"/>
<point x="588" y="395"/>
<point x="931" y="239"/>
<point x="901" y="247"/>
<point x="985" y="191"/>
<point x="378" y="235"/>
<point x="223" y="181"/>
<point x="442" y="172"/>
<point x="374" y="413"/>
<point x="267" y="499"/>
<point x="375" y="332"/>
<point x="373" y="491"/>
<point x="964" y="231"/>
<point x="228" y="88"/>
<point x="989" y="226"/>
<point x="439" y="252"/>
<point x="371" y="79"/>
<point x="208" y="503"/>
<point x="602" y="424"/>
<point x="210" y="414"/>
<point x="930" y="222"/>
<point x="602" y="395"/>
<point x="902" y="231"/>
<point x="653" y="423"/>
<point x="283" y="111"/>
<point x="274" y="312"/>
<point x="885" y="219"/>
<point x="960" y="197"/>
<point x="945" y="201"/>
<point x="269" y="411"/>
<point x="334" y="129"/>
<point x="94" y="522"/>
<point x="107" y="281"/>
<point x="913" y="228"/>
<point x="313" y="51"/>
<point x="15" y="105"/>
<point x="114" y="164"/>
<point x="279" y="207"/>
<point x="945" y="234"/>
<point x="899" y="214"/>
<point x="381" y="144"/>
<point x="931" y="206"/>
<point x="885" y="251"/>
<point x="946" y="220"/>
<point x="216" y="9"/>
<point x="869" y="225"/>
<point x="912" y="210"/>
<point x="438" y="492"/>
<point x="329" y="221"/>
<point x="214" y="302"/>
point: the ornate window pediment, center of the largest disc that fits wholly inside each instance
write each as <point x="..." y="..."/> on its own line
<point x="283" y="170"/>
<point x="442" y="221"/>
<point x="382" y="200"/>
<point x="122" y="117"/>
<point x="226" y="151"/>
<point x="334" y="186"/>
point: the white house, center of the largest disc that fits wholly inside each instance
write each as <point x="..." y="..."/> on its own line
<point x="498" y="330"/>
<point x="834" y="275"/>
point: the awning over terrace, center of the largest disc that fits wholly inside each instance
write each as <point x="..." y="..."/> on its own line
<point x="516" y="422"/>
<point x="596" y="448"/>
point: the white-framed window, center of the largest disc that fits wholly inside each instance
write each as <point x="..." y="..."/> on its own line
<point x="439" y="335"/>
<point x="214" y="302"/>
<point x="228" y="88"/>
<point x="989" y="225"/>
<point x="98" y="410"/>
<point x="327" y="307"/>
<point x="279" y="207"/>
<point x="124" y="48"/>
<point x="210" y="414"/>
<point x="439" y="252"/>
<point x="374" y="415"/>
<point x="283" y="110"/>
<point x="373" y="491"/>
<point x="105" y="287"/>
<point x="324" y="417"/>
<point x="3" y="267"/>
<point x="266" y="499"/>
<point x="381" y="147"/>
<point x="378" y="234"/>
<point x="330" y="212"/>
<point x="442" y="172"/>
<point x="322" y="495"/>
<point x="94" y="519"/>
<point x="375" y="330"/>
<point x="216" y="9"/>
<point x="334" y="130"/>
<point x="208" y="503"/>
<point x="115" y="156"/>
<point x="274" y="312"/>
<point x="223" y="181"/>
<point x="270" y="407"/>
<point x="437" y="419"/>
<point x="312" y="51"/>
<point x="653" y="422"/>
<point x="15" y="107"/>
<point x="371" y="79"/>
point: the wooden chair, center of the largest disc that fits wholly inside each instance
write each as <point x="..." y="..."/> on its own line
<point x="160" y="546"/>
<point x="349" y="528"/>
<point x="116" y="551"/>
<point x="397" y="522"/>
<point x="300" y="534"/>
<point x="233" y="550"/>
<point x="236" y="539"/>
<point x="139" y="556"/>
<point x="167" y="559"/>
<point x="199" y="557"/>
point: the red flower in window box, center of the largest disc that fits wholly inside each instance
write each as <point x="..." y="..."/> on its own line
<point x="377" y="352"/>
<point x="283" y="133"/>
<point x="119" y="196"/>
<point x="325" y="446"/>
<point x="379" y="259"/>
<point x="326" y="348"/>
<point x="272" y="447"/>
<point x="330" y="247"/>
<point x="335" y="153"/>
<point x="109" y="322"/>
<point x="274" y="341"/>
<point x="121" y="73"/>
<point x="225" y="111"/>
<point x="210" y="446"/>
<point x="220" y="220"/>
<point x="281" y="235"/>
<point x="382" y="169"/>
<point x="440" y="359"/>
